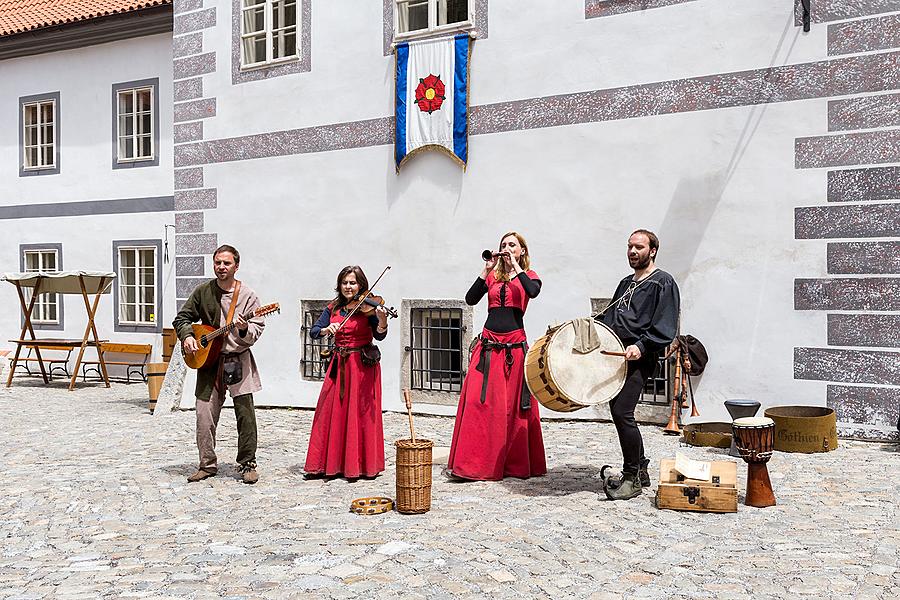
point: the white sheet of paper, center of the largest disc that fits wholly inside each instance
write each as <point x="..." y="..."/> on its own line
<point x="692" y="469"/>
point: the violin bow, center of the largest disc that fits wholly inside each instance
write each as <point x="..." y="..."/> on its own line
<point x="363" y="299"/>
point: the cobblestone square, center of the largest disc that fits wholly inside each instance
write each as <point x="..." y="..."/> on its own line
<point x="95" y="505"/>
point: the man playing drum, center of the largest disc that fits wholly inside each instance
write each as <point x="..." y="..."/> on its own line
<point x="644" y="314"/>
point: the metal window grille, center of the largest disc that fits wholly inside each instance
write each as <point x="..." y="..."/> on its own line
<point x="435" y="349"/>
<point x="311" y="365"/>
<point x="658" y="387"/>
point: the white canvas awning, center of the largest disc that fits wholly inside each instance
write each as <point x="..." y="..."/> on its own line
<point x="63" y="282"/>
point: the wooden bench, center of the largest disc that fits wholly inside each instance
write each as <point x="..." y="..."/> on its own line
<point x="55" y="361"/>
<point x="141" y="353"/>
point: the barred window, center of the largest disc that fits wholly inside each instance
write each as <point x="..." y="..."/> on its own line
<point x="46" y="307"/>
<point x="312" y="367"/>
<point x="435" y="349"/>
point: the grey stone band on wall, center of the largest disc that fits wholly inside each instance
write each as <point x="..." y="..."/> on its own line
<point x="88" y="208"/>
<point x="185" y="285"/>
<point x="187" y="45"/>
<point x="189" y="266"/>
<point x="188" y="132"/>
<point x="876" y="331"/>
<point x="195" y="199"/>
<point x="847" y="366"/>
<point x="847" y="221"/>
<point x="844" y="76"/>
<point x="859" y="294"/>
<point x="861" y="258"/>
<point x="858" y="185"/>
<point x="195" y="243"/>
<point x="195" y="21"/>
<point x="823" y="11"/>
<point x="192" y="66"/>
<point x="866" y="148"/>
<point x="608" y="8"/>
<point x="188" y="89"/>
<point x="862" y="404"/>
<point x="195" y="109"/>
<point x="189" y="222"/>
<point x="189" y="178"/>
<point x="868" y="112"/>
<point x="866" y="35"/>
<point x="183" y="6"/>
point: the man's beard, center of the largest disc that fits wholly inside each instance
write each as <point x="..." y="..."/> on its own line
<point x="641" y="263"/>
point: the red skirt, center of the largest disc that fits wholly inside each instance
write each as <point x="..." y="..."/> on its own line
<point x="497" y="439"/>
<point x="347" y="436"/>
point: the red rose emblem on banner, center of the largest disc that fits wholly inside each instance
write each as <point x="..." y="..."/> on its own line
<point x="430" y="94"/>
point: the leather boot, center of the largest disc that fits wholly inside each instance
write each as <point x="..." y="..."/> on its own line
<point x="643" y="473"/>
<point x="248" y="473"/>
<point x="629" y="487"/>
<point x="200" y="475"/>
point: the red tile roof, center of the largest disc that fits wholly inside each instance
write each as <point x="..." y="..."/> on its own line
<point x="19" y="16"/>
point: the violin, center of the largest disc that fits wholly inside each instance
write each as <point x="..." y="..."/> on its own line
<point x="365" y="303"/>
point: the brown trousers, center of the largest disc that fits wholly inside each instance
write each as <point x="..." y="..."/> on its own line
<point x="208" y="412"/>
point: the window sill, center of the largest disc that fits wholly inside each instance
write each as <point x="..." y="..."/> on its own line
<point x="38" y="169"/>
<point x="131" y="161"/>
<point x="423" y="34"/>
<point x="268" y="65"/>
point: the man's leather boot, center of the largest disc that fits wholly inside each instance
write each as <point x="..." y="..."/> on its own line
<point x="248" y="473"/>
<point x="644" y="473"/>
<point x="200" y="475"/>
<point x="629" y="487"/>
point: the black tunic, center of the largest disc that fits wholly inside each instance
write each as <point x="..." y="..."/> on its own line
<point x="645" y="314"/>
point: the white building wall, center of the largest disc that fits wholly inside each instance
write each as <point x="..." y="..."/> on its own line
<point x="84" y="78"/>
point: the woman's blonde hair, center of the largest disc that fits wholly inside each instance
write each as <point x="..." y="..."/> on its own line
<point x="524" y="260"/>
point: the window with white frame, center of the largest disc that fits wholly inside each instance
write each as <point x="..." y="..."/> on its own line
<point x="268" y="32"/>
<point x="418" y="17"/>
<point x="39" y="134"/>
<point x="135" y="124"/>
<point x="46" y="307"/>
<point x="137" y="285"/>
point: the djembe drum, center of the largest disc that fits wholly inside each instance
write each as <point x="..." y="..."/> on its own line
<point x="755" y="440"/>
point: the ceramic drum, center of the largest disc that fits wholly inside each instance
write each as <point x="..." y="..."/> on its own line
<point x="565" y="380"/>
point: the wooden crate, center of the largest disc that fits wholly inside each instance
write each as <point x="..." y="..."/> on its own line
<point x="718" y="495"/>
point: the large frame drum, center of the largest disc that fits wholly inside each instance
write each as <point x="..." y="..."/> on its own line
<point x="565" y="380"/>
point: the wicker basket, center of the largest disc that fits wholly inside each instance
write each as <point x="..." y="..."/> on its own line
<point x="413" y="476"/>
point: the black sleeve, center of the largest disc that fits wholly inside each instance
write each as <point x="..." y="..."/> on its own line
<point x="532" y="286"/>
<point x="476" y="292"/>
<point x="664" y="324"/>
<point x="315" y="332"/>
<point x="373" y="323"/>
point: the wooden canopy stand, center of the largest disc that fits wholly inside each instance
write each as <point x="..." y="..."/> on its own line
<point x="89" y="331"/>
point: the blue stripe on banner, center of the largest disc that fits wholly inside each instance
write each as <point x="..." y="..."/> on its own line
<point x="400" y="141"/>
<point x="460" y="100"/>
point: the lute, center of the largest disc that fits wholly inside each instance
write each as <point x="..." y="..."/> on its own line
<point x="210" y="339"/>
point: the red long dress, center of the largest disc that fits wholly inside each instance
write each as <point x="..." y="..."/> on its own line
<point x="496" y="438"/>
<point x="347" y="436"/>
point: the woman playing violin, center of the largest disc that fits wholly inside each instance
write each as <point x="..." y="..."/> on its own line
<point x="498" y="428"/>
<point x="347" y="437"/>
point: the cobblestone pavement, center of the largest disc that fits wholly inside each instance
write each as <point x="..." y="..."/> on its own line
<point x="95" y="505"/>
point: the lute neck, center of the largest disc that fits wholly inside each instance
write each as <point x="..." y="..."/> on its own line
<point x="226" y="328"/>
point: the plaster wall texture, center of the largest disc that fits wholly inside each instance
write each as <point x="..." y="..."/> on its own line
<point x="350" y="80"/>
<point x="86" y="121"/>
<point x="715" y="196"/>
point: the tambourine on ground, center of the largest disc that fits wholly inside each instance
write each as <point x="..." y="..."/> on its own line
<point x="564" y="380"/>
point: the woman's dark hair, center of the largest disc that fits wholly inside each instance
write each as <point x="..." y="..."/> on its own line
<point x="339" y="299"/>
